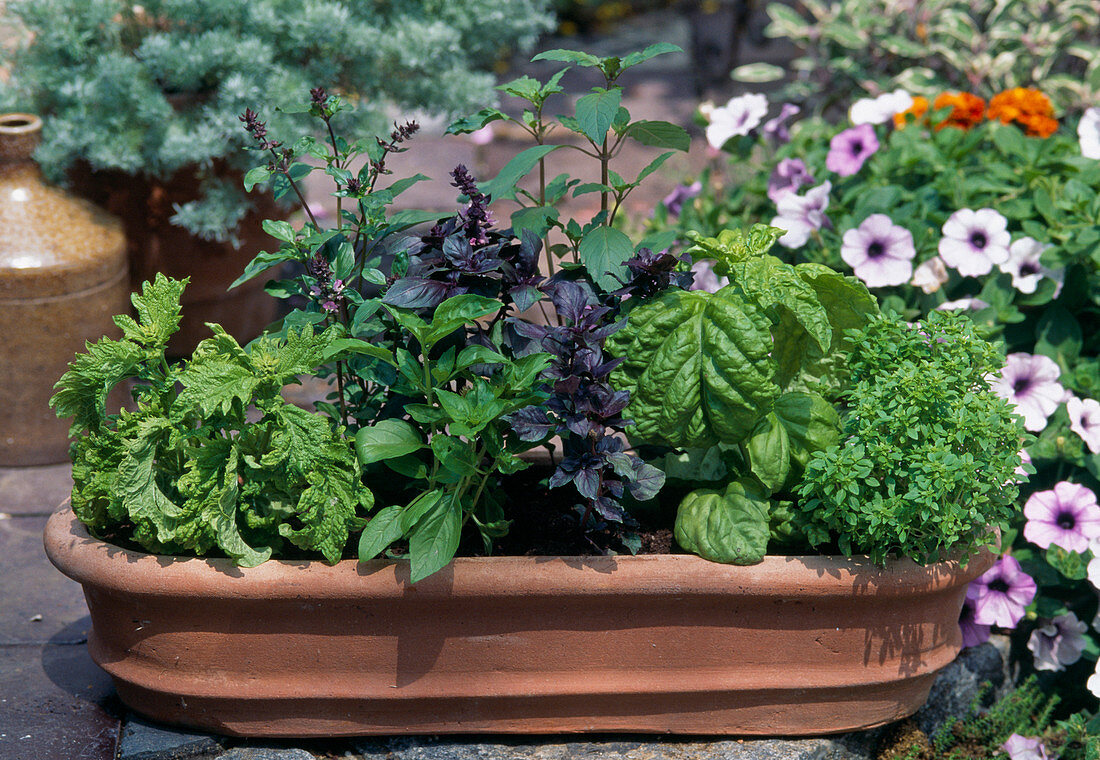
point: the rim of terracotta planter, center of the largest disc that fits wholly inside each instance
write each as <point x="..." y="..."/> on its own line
<point x="798" y="645"/>
<point x="777" y="575"/>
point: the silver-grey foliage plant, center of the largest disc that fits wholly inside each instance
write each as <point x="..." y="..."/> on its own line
<point x="155" y="87"/>
<point x="928" y="46"/>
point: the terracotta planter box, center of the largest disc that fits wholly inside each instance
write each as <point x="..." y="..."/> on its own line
<point x="657" y="643"/>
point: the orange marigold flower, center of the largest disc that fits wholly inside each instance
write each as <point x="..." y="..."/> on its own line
<point x="917" y="110"/>
<point x="1026" y="106"/>
<point x="966" y="109"/>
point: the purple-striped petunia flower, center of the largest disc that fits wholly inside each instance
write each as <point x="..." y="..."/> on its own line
<point x="1084" y="419"/>
<point x="1023" y="264"/>
<point x="800" y="215"/>
<point x="680" y="194"/>
<point x="849" y="149"/>
<point x="1067" y="516"/>
<point x="776" y="127"/>
<point x="973" y="241"/>
<point x="1030" y="383"/>
<point x="879" y="252"/>
<point x="1058" y="642"/>
<point x="1001" y="593"/>
<point x="739" y="116"/>
<point x="972" y="633"/>
<point x="787" y="177"/>
<point x="1019" y="747"/>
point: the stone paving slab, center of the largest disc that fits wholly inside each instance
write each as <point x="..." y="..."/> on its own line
<point x="34" y="490"/>
<point x="39" y="603"/>
<point x="52" y="703"/>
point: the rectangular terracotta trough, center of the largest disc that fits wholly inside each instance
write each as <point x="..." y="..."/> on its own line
<point x="656" y="644"/>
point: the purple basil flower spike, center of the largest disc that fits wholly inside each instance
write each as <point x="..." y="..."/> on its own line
<point x="787" y="176"/>
<point x="1058" y="643"/>
<point x="849" y="149"/>
<point x="675" y="200"/>
<point x="1001" y="593"/>
<point x="973" y="634"/>
<point x="1066" y="516"/>
<point x="776" y="127"/>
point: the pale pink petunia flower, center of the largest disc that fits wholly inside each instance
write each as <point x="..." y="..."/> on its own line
<point x="930" y="276"/>
<point x="1057" y="643"/>
<point x="776" y="128"/>
<point x="800" y="215"/>
<point x="1025" y="458"/>
<point x="1030" y="383"/>
<point x="1084" y="419"/>
<point x="1088" y="133"/>
<point x="881" y="109"/>
<point x="1022" y="748"/>
<point x="738" y="117"/>
<point x="1001" y="593"/>
<point x="482" y="136"/>
<point x="1094" y="578"/>
<point x="1093" y="684"/>
<point x="787" y="177"/>
<point x="966" y="304"/>
<point x="879" y="252"/>
<point x="849" y="149"/>
<point x="705" y="277"/>
<point x="973" y="241"/>
<point x="1023" y="264"/>
<point x="1066" y="516"/>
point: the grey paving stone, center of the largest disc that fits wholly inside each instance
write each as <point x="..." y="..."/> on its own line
<point x="266" y="753"/>
<point x="851" y="747"/>
<point x="38" y="601"/>
<point x="142" y="740"/>
<point x="53" y="702"/>
<point x="958" y="683"/>
<point x="34" y="490"/>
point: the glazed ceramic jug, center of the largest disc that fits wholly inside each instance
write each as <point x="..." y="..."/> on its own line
<point x="63" y="275"/>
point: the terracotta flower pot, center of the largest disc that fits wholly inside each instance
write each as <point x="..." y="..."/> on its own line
<point x="146" y="206"/>
<point x="657" y="643"/>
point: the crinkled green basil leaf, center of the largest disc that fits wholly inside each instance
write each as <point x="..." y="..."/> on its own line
<point x="728" y="526"/>
<point x="811" y="422"/>
<point x="769" y="452"/>
<point x="698" y="368"/>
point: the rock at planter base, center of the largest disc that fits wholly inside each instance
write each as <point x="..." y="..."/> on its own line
<point x="857" y="746"/>
<point x="146" y="741"/>
<point x="266" y="753"/>
<point x="957" y="685"/>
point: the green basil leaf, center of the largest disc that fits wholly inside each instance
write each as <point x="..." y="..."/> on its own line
<point x="811" y="422"/>
<point x="596" y="111"/>
<point x="382" y="530"/>
<point x="503" y="186"/>
<point x="386" y="439"/>
<point x="731" y="526"/>
<point x="698" y="368"/>
<point x="603" y="252"/>
<point x="659" y="134"/>
<point x="434" y="541"/>
<point x="769" y="452"/>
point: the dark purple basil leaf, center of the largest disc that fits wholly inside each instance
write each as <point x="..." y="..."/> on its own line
<point x="570" y="299"/>
<point x="587" y="481"/>
<point x="606" y="331"/>
<point x="646" y="482"/>
<point x="609" y="509"/>
<point x="561" y="476"/>
<point x="583" y="427"/>
<point x="613" y="403"/>
<point x="604" y="370"/>
<point x="567" y="386"/>
<point x="528" y="329"/>
<point x="532" y="424"/>
<point x="622" y="463"/>
<point x="527" y="256"/>
<point x="525" y="296"/>
<point x="418" y="293"/>
<point x="613" y="487"/>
